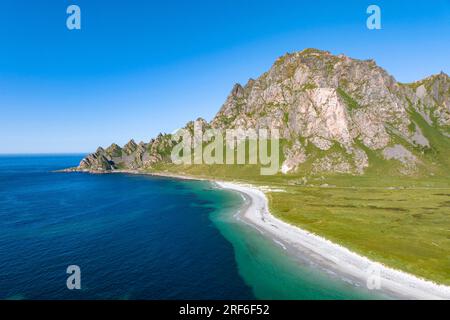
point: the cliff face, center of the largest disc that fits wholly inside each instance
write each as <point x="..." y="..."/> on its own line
<point x="132" y="156"/>
<point x="333" y="112"/>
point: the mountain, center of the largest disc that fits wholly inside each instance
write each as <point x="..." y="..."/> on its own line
<point x="335" y="114"/>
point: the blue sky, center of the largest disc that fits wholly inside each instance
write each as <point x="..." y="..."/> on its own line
<point x="140" y="67"/>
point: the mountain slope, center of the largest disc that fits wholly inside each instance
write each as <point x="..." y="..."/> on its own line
<point x="335" y="115"/>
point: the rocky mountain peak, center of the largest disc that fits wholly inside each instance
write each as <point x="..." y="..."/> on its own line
<point x="237" y="91"/>
<point x="100" y="150"/>
<point x="332" y="111"/>
<point x="114" y="150"/>
<point x="130" y="147"/>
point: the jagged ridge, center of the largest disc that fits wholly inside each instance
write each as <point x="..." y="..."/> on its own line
<point x="335" y="114"/>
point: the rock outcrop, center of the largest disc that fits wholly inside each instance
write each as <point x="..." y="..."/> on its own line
<point x="332" y="112"/>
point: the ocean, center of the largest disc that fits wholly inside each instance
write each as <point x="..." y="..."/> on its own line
<point x="139" y="237"/>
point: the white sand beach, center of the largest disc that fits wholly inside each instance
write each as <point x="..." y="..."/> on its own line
<point x="331" y="256"/>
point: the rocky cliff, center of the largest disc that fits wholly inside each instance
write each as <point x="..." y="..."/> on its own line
<point x="335" y="115"/>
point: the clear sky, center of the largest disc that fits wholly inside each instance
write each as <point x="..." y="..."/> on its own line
<point x="140" y="67"/>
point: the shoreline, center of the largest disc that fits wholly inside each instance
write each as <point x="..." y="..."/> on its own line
<point x="329" y="255"/>
<point x="136" y="172"/>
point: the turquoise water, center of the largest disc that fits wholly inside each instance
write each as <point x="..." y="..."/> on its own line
<point x="138" y="237"/>
<point x="273" y="273"/>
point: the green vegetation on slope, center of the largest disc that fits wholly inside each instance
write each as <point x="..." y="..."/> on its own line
<point x="440" y="144"/>
<point x="349" y="101"/>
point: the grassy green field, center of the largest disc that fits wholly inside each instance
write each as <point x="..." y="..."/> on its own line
<point x="408" y="229"/>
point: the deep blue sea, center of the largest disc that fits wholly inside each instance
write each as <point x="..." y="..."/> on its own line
<point x="138" y="237"/>
<point x="133" y="237"/>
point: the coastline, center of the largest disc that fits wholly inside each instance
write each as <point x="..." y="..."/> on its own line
<point x="331" y="256"/>
<point x="327" y="255"/>
<point x="137" y="172"/>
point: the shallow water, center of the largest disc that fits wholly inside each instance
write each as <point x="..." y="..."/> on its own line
<point x="138" y="237"/>
<point x="274" y="273"/>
